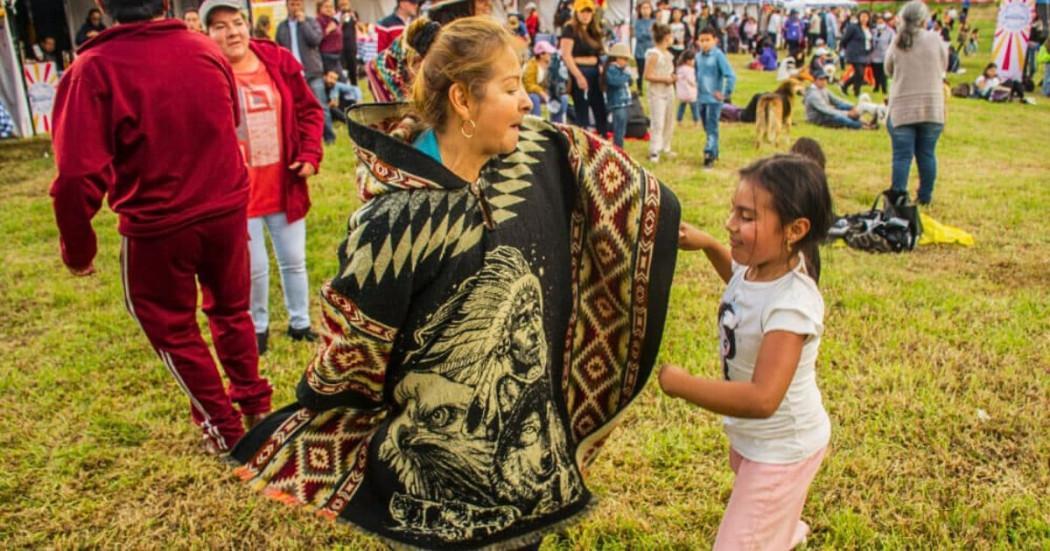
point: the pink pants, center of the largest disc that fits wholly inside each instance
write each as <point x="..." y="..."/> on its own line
<point x="765" y="509"/>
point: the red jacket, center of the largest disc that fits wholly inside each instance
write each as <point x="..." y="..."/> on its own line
<point x="146" y="114"/>
<point x="302" y="122"/>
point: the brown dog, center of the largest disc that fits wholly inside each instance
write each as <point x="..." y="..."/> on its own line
<point x="773" y="113"/>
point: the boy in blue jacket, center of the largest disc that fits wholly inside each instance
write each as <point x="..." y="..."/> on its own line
<point x="714" y="81"/>
<point x="618" y="89"/>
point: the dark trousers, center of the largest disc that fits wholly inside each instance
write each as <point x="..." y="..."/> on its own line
<point x="857" y="80"/>
<point x="879" y="70"/>
<point x="160" y="276"/>
<point x="641" y="73"/>
<point x="590" y="101"/>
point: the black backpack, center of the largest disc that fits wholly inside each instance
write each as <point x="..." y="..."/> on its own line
<point x="895" y="228"/>
<point x="637" y="122"/>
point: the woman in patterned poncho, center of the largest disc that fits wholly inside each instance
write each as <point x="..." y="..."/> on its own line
<point x="500" y="300"/>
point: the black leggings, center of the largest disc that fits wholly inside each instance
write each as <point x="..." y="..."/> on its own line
<point x="857" y="80"/>
<point x="591" y="98"/>
<point x="879" y="70"/>
<point x="641" y="72"/>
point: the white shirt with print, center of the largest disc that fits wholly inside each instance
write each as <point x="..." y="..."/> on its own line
<point x="800" y="427"/>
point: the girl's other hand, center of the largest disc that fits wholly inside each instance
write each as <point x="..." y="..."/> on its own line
<point x="692" y="239"/>
<point x="669" y="376"/>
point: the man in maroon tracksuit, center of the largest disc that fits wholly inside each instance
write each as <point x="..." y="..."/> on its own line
<point x="148" y="114"/>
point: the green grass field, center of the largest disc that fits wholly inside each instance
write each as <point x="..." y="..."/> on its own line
<point x="98" y="450"/>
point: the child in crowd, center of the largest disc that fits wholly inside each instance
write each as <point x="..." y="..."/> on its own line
<point x="974" y="42"/>
<point x="991" y="87"/>
<point x="685" y="85"/>
<point x="715" y="80"/>
<point x="770" y="320"/>
<point x="659" y="71"/>
<point x="536" y="75"/>
<point x="618" y="89"/>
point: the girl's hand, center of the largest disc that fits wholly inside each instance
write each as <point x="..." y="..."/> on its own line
<point x="581" y="83"/>
<point x="669" y="376"/>
<point x="692" y="239"/>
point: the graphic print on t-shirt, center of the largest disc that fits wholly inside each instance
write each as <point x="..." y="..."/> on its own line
<point x="727" y="323"/>
<point x="258" y="130"/>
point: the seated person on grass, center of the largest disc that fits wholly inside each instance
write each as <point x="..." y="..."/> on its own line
<point x="341" y="95"/>
<point x="824" y="109"/>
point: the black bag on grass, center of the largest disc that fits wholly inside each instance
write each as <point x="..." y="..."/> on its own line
<point x="637" y="122"/>
<point x="895" y="228"/>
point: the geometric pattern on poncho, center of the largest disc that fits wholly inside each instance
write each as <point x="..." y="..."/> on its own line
<point x="355" y="352"/>
<point x="312" y="472"/>
<point x="608" y="323"/>
<point x="431" y="220"/>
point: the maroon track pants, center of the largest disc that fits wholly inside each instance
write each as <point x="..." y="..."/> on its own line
<point x="160" y="276"/>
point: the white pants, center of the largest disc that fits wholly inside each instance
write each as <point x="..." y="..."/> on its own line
<point x="289" y="242"/>
<point x="661" y="113"/>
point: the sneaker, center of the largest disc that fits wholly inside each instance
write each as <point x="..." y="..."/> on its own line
<point x="1029" y="101"/>
<point x="306" y="334"/>
<point x="709" y="161"/>
<point x="654" y="158"/>
<point x="262" y="341"/>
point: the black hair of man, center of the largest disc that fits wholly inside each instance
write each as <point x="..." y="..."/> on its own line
<point x="131" y="11"/>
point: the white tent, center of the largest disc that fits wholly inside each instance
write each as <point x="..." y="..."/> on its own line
<point x="12" y="89"/>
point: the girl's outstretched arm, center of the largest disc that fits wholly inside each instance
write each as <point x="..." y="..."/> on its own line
<point x="758" y="399"/>
<point x="692" y="239"/>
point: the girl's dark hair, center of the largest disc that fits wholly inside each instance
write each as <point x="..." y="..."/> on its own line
<point x="130" y="11"/>
<point x="799" y="190"/>
<point x="638" y="8"/>
<point x="989" y="66"/>
<point x="590" y="34"/>
<point x="660" y="31"/>
<point x="686" y="55"/>
<point x="810" y="149"/>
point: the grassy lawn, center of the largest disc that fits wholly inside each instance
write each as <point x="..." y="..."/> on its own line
<point x="99" y="451"/>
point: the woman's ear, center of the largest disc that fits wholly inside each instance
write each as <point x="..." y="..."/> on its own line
<point x="459" y="100"/>
<point x="797" y="230"/>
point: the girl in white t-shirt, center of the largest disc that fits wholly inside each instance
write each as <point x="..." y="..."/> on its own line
<point x="770" y="322"/>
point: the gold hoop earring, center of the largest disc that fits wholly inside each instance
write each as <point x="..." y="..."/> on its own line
<point x="473" y="128"/>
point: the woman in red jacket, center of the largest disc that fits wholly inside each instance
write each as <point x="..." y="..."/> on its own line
<point x="280" y="137"/>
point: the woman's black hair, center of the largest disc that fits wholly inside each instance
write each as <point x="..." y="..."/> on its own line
<point x="91" y="12"/>
<point x="799" y="190"/>
<point x="638" y="9"/>
<point x="130" y="11"/>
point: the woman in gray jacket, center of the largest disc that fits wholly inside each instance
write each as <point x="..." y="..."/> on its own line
<point x="882" y="37"/>
<point x="916" y="60"/>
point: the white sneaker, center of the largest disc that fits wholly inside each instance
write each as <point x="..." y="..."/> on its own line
<point x="1029" y="101"/>
<point x="654" y="158"/>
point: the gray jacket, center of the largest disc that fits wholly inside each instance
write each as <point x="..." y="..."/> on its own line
<point x="880" y="42"/>
<point x="309" y="35"/>
<point x="822" y="107"/>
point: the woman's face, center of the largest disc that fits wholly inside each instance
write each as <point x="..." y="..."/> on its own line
<point x="646" y="10"/>
<point x="229" y="31"/>
<point x="96" y="18"/>
<point x="499" y="113"/>
<point x="863" y="18"/>
<point x="327" y="8"/>
<point x="585" y="17"/>
<point x="482" y="7"/>
<point x="192" y="20"/>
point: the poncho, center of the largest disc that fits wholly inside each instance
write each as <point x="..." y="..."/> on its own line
<point x="481" y="340"/>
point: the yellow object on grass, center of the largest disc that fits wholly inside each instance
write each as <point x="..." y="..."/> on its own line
<point x="933" y="232"/>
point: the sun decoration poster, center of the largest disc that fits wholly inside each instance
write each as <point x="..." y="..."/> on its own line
<point x="41" y="82"/>
<point x="1011" y="37"/>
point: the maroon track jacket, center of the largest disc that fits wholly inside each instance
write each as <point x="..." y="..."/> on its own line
<point x="146" y="114"/>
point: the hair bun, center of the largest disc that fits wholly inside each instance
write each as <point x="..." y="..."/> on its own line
<point x="421" y="34"/>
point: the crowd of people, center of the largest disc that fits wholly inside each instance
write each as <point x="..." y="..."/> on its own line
<point x="456" y="419"/>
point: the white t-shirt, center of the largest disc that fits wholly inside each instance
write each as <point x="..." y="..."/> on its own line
<point x="800" y="427"/>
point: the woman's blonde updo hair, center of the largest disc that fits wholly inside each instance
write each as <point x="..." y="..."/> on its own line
<point x="464" y="52"/>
